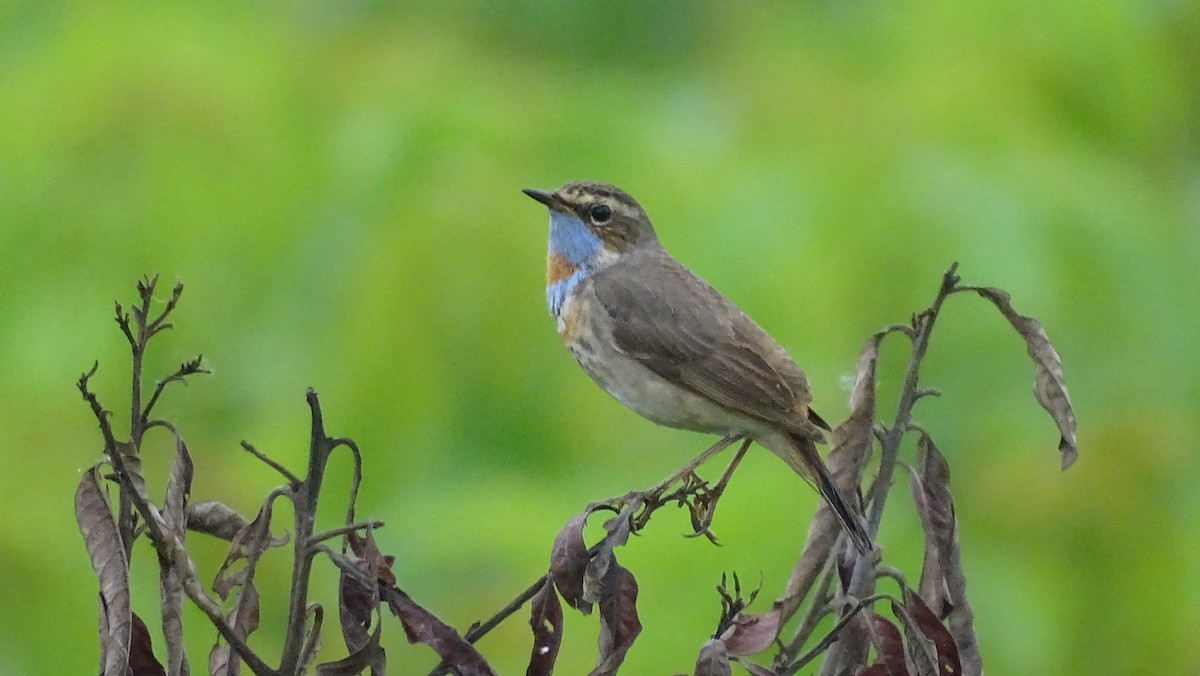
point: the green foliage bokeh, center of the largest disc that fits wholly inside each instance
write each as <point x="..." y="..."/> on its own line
<point x="338" y="187"/>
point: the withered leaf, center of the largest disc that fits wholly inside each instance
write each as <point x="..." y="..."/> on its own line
<point x="1049" y="386"/>
<point x="179" y="488"/>
<point x="930" y="487"/>
<point x="249" y="544"/>
<point x="750" y="634"/>
<point x="713" y="659"/>
<point x="421" y="626"/>
<point x="619" y="623"/>
<point x="929" y="625"/>
<point x="312" y="638"/>
<point x="141" y="651"/>
<point x="889" y="646"/>
<point x="852" y="446"/>
<point x="243" y="619"/>
<point x="133" y="466"/>
<point x="568" y="563"/>
<point x="356" y="605"/>
<point x="596" y="574"/>
<point x="943" y="584"/>
<point x="546" y="621"/>
<point x="103" y="542"/>
<point x="378" y="564"/>
<point x="171" y="573"/>
<point x="215" y="518"/>
<point x="369" y="656"/>
<point x="356" y="601"/>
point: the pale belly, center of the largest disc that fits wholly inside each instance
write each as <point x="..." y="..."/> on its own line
<point x="589" y="340"/>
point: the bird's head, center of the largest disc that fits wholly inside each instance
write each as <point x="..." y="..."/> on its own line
<point x="593" y="223"/>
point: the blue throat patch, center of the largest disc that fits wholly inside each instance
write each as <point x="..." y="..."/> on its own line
<point x="577" y="245"/>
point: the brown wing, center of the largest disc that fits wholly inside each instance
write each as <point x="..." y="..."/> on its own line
<point x="685" y="331"/>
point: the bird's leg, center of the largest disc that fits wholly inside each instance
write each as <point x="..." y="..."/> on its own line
<point x="704" y="507"/>
<point x="690" y="468"/>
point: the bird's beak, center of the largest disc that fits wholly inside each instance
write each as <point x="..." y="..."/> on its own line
<point x="544" y="196"/>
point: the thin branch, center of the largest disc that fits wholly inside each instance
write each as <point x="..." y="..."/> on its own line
<point x="819" y="608"/>
<point x="862" y="580"/>
<point x="305" y="498"/>
<point x="292" y="479"/>
<point x="187" y="368"/>
<point x="343" y="530"/>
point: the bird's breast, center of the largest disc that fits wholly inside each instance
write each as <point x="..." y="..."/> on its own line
<point x="586" y="330"/>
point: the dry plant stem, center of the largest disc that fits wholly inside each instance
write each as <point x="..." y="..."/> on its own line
<point x="304" y="499"/>
<point x="909" y="394"/>
<point x="292" y="479"/>
<point x="862" y="581"/>
<point x="169" y="547"/>
<point x="479" y="629"/>
<point x="816" y="611"/>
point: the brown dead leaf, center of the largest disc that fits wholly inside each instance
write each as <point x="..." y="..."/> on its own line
<point x="171" y="573"/>
<point x="1049" y="386"/>
<point x="546" y="621"/>
<point x="937" y="634"/>
<point x="713" y="659"/>
<point x="103" y="543"/>
<point x="619" y="623"/>
<point x="889" y="646"/>
<point x="421" y="626"/>
<point x="943" y="584"/>
<point x="750" y="634"/>
<point x="596" y="573"/>
<point x="249" y="544"/>
<point x="215" y="518"/>
<point x="369" y="656"/>
<point x="141" y="652"/>
<point x="568" y="563"/>
<point x="852" y="446"/>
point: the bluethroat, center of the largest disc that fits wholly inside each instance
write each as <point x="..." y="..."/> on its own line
<point x="668" y="345"/>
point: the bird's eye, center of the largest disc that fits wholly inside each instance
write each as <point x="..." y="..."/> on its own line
<point x="600" y="213"/>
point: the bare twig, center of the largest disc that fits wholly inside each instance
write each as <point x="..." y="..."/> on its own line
<point x="343" y="530"/>
<point x="292" y="479"/>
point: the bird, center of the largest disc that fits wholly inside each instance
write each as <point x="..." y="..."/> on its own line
<point x="669" y="346"/>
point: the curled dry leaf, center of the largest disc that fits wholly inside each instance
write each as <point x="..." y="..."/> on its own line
<point x="378" y="563"/>
<point x="249" y="543"/>
<point x="598" y="568"/>
<point x="1049" y="386"/>
<point x="569" y="561"/>
<point x="369" y="656"/>
<point x="852" y="444"/>
<point x="312" y="638"/>
<point x="171" y="573"/>
<point x="141" y="651"/>
<point x="243" y="619"/>
<point x="421" y="626"/>
<point x="103" y="542"/>
<point x="356" y="602"/>
<point x="930" y="487"/>
<point x="619" y="623"/>
<point x="948" y="663"/>
<point x="889" y="646"/>
<point x="713" y="659"/>
<point x="750" y="634"/>
<point x="546" y="621"/>
<point x="356" y="605"/>
<point x="215" y="518"/>
<point x="943" y="584"/>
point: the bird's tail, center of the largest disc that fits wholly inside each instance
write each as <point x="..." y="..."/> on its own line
<point x="813" y="469"/>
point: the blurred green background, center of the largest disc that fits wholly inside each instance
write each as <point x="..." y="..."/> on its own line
<point x="337" y="184"/>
